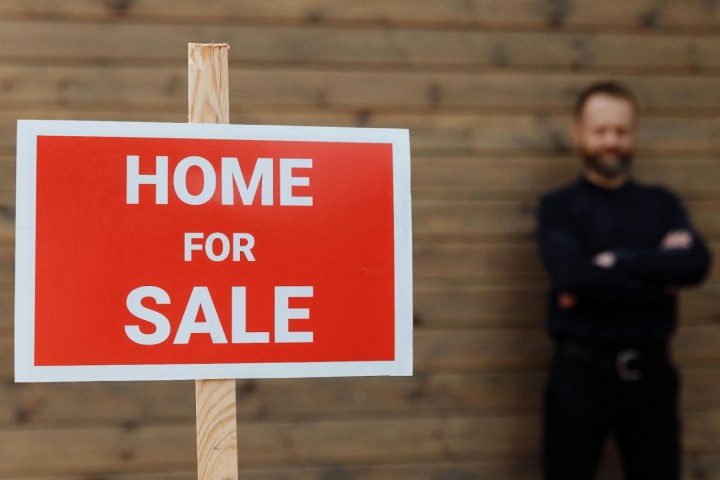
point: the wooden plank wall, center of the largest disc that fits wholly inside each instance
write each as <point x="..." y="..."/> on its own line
<point x="485" y="88"/>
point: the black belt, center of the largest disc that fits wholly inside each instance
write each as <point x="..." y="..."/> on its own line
<point x="629" y="363"/>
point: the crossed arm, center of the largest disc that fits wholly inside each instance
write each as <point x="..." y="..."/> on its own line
<point x="620" y="276"/>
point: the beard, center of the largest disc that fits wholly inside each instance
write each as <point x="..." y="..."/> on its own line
<point x="608" y="165"/>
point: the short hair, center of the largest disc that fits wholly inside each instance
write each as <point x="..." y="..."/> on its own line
<point x="608" y="87"/>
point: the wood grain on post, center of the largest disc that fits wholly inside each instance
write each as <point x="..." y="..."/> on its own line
<point x="208" y="90"/>
<point x="216" y="415"/>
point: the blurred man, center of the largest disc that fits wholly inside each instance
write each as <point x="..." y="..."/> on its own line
<point x="617" y="251"/>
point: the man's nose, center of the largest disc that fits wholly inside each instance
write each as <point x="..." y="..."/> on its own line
<point x="611" y="139"/>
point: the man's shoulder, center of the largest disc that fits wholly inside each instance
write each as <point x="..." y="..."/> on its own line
<point x="562" y="195"/>
<point x="659" y="191"/>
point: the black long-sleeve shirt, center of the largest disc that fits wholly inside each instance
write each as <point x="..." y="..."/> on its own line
<point x="632" y="304"/>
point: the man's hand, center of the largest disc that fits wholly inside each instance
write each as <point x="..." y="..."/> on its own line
<point x="566" y="301"/>
<point x="605" y="259"/>
<point x="677" y="240"/>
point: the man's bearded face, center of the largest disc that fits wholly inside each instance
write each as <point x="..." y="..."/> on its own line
<point x="605" y="135"/>
<point x="610" y="162"/>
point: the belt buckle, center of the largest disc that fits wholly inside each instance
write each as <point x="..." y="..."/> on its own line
<point x="622" y="361"/>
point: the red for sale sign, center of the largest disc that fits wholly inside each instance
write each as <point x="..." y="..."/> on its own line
<point x="184" y="251"/>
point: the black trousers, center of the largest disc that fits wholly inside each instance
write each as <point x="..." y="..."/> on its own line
<point x="586" y="404"/>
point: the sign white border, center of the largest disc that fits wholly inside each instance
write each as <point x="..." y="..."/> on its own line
<point x="27" y="133"/>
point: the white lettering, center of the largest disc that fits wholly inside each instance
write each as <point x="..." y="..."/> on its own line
<point x="288" y="181"/>
<point x="180" y="180"/>
<point x="239" y="320"/>
<point x="283" y="314"/>
<point x="160" y="321"/>
<point x="190" y="246"/>
<point x="232" y="175"/>
<point x="200" y="299"/>
<point x="239" y="247"/>
<point x="231" y="180"/>
<point x="135" y="179"/>
<point x="224" y="247"/>
<point x="242" y="244"/>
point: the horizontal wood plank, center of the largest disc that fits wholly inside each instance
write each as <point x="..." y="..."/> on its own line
<point x="644" y="14"/>
<point x="470" y="470"/>
<point x="138" y="403"/>
<point x="290" y="88"/>
<point x="278" y="444"/>
<point x="501" y="349"/>
<point x="640" y="15"/>
<point x="324" y="442"/>
<point x="490" y="219"/>
<point x="162" y="43"/>
<point x="439" y="303"/>
<point x="486" y="260"/>
<point x="229" y="11"/>
<point x="152" y="402"/>
<point x="530" y="177"/>
<point x="697" y="466"/>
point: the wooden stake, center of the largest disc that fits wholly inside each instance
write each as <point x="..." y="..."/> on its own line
<point x="208" y="90"/>
<point x="216" y="413"/>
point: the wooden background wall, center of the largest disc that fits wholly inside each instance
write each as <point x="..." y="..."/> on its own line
<point x="485" y="88"/>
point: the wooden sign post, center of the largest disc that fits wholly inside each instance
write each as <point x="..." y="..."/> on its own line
<point x="208" y="102"/>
